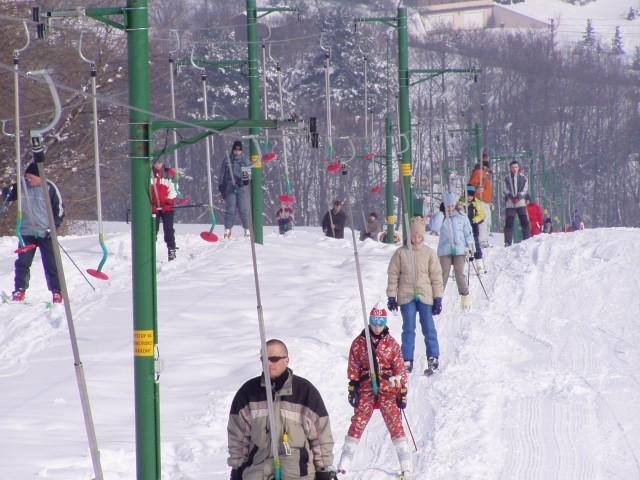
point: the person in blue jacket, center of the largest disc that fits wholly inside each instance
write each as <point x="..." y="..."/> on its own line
<point x="232" y="189"/>
<point x="455" y="244"/>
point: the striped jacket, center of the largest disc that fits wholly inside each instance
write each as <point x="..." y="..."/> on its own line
<point x="35" y="220"/>
<point x="299" y="412"/>
<point x="163" y="190"/>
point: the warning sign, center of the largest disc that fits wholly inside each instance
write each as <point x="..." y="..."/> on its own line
<point x="143" y="343"/>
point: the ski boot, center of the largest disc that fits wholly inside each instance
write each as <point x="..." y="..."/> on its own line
<point x="404" y="456"/>
<point x="56" y="297"/>
<point x="18" y="295"/>
<point x="465" y="302"/>
<point x="227" y="234"/>
<point x="247" y="233"/>
<point x="172" y="254"/>
<point x="432" y="365"/>
<point x="348" y="451"/>
<point x="408" y="365"/>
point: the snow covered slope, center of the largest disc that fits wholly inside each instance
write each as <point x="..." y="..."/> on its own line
<point x="540" y="381"/>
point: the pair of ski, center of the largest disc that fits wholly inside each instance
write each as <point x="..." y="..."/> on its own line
<point x="363" y="474"/>
<point x="6" y="299"/>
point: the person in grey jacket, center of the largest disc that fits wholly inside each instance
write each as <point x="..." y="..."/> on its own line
<point x="515" y="188"/>
<point x="232" y="189"/>
<point x="35" y="231"/>
<point x="305" y="443"/>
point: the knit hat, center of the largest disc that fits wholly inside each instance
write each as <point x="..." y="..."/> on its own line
<point x="237" y="144"/>
<point x="450" y="198"/>
<point x="32" y="169"/>
<point x="417" y="226"/>
<point x="378" y="316"/>
<point x="471" y="190"/>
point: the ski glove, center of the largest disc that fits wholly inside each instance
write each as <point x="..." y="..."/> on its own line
<point x="437" y="306"/>
<point x="325" y="475"/>
<point x="401" y="400"/>
<point x="353" y="392"/>
<point x="392" y="304"/>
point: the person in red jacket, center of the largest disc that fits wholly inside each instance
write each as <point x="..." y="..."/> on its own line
<point x="392" y="389"/>
<point x="536" y="219"/>
<point x="163" y="197"/>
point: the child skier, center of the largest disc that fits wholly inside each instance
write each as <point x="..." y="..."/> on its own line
<point x="284" y="217"/>
<point x="392" y="390"/>
<point x="475" y="213"/>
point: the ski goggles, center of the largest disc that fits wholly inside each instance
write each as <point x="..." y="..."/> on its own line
<point x="377" y="321"/>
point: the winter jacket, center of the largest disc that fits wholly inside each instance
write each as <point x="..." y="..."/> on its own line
<point x="536" y="220"/>
<point x="456" y="235"/>
<point x="35" y="218"/>
<point x="230" y="181"/>
<point x="515" y="190"/>
<point x="484" y="193"/>
<point x="372" y="230"/>
<point x="163" y="190"/>
<point x="299" y="411"/>
<point x="475" y="212"/>
<point x="339" y="220"/>
<point x="427" y="283"/>
<point x="284" y="215"/>
<point x="388" y="362"/>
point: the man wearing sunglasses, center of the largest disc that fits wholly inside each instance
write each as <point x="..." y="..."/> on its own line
<point x="305" y="442"/>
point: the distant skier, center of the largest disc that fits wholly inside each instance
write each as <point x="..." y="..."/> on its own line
<point x="454" y="245"/>
<point x="284" y="218"/>
<point x="515" y="187"/>
<point x="35" y="231"/>
<point x="233" y="190"/>
<point x="163" y="197"/>
<point x="372" y="228"/>
<point x="548" y="222"/>
<point x="334" y="221"/>
<point x="475" y="213"/>
<point x="414" y="281"/>
<point x="534" y="211"/>
<point x="481" y="179"/>
<point x="392" y="389"/>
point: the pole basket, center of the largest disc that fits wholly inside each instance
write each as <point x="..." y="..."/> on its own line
<point x="97" y="274"/>
<point x="375" y="189"/>
<point x="25" y="248"/>
<point x="269" y="156"/>
<point x="209" y="237"/>
<point x="286" y="198"/>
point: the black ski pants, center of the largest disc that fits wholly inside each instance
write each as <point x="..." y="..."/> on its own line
<point x="508" y="225"/>
<point x="167" y="228"/>
<point x="25" y="259"/>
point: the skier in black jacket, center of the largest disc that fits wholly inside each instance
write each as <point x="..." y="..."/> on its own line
<point x="334" y="221"/>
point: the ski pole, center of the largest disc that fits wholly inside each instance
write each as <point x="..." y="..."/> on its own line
<point x="263" y="350"/>
<point x="480" y="280"/>
<point x="409" y="428"/>
<point x="76" y="265"/>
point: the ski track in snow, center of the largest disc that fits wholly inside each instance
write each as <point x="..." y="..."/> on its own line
<point x="536" y="382"/>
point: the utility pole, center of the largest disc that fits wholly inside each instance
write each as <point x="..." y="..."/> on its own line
<point x="390" y="218"/>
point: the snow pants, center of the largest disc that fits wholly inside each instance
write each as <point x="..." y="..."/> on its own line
<point x="25" y="259"/>
<point x="509" y="221"/>
<point x="236" y="200"/>
<point x="458" y="262"/>
<point x="409" y="311"/>
<point x="476" y="239"/>
<point x="167" y="228"/>
<point x="391" y="414"/>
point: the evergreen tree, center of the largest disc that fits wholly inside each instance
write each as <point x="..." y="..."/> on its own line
<point x="616" y="43"/>
<point x="588" y="39"/>
<point x="632" y="14"/>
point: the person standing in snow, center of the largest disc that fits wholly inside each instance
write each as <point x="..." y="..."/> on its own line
<point x="481" y="180"/>
<point x="515" y="188"/>
<point x="390" y="372"/>
<point x="548" y="222"/>
<point x="372" y="228"/>
<point x="233" y="190"/>
<point x="475" y="213"/>
<point x="414" y="282"/>
<point x="35" y="231"/>
<point x="284" y="218"/>
<point x="455" y="245"/>
<point x="163" y="197"/>
<point x="334" y="221"/>
<point x="534" y="211"/>
<point x="302" y="422"/>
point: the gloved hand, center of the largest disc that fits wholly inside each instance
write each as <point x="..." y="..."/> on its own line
<point x="353" y="392"/>
<point x="437" y="306"/>
<point x="471" y="257"/>
<point x="326" y="475"/>
<point x="392" y="304"/>
<point x="401" y="399"/>
<point x="236" y="474"/>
